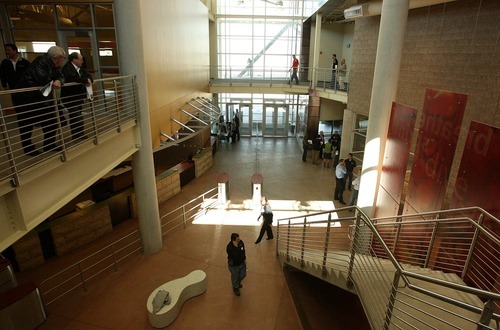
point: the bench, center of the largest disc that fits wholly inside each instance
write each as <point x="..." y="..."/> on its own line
<point x="180" y="290"/>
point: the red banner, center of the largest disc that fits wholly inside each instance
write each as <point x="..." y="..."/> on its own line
<point x="437" y="140"/>
<point x="397" y="151"/>
<point x="478" y="179"/>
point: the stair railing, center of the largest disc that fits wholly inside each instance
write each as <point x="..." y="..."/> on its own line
<point x="391" y="294"/>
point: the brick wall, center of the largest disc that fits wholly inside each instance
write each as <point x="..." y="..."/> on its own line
<point x="168" y="184"/>
<point x="28" y="252"/>
<point x="80" y="228"/>
<point x="453" y="47"/>
<point x="202" y="161"/>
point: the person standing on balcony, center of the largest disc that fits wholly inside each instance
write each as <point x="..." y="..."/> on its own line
<point x="37" y="106"/>
<point x="335" y="64"/>
<point x="267" y="223"/>
<point x="342" y="72"/>
<point x="340" y="172"/>
<point x="73" y="97"/>
<point x="237" y="262"/>
<point x="12" y="68"/>
<point x="294" y="69"/>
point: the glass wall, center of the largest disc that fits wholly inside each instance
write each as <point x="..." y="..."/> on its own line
<point x="85" y="28"/>
<point x="268" y="115"/>
<point x="257" y="38"/>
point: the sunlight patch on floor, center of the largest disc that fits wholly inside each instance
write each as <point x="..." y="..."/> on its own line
<point x="247" y="212"/>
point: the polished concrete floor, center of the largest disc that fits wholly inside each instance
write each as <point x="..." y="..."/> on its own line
<point x="117" y="300"/>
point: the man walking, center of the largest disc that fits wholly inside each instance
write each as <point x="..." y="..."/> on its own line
<point x="74" y="96"/>
<point x="237" y="262"/>
<point x="294" y="69"/>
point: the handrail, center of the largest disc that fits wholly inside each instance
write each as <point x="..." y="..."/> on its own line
<point x="446" y="220"/>
<point x="400" y="272"/>
<point x="262" y="75"/>
<point x="423" y="214"/>
<point x="112" y="107"/>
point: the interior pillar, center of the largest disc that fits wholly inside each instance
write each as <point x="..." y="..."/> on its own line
<point x="129" y="37"/>
<point x="385" y="83"/>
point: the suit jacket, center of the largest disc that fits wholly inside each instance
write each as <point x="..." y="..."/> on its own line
<point x="76" y="93"/>
<point x="39" y="73"/>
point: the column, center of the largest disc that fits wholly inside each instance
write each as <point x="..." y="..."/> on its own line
<point x="348" y="125"/>
<point x="317" y="41"/>
<point x="385" y="83"/>
<point x="129" y="37"/>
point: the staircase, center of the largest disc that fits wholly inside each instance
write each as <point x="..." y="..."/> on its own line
<point x="427" y="271"/>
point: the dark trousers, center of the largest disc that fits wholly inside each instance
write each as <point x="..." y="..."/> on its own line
<point x="238" y="273"/>
<point x="294" y="76"/>
<point x="304" y="154"/>
<point x="349" y="176"/>
<point x="266" y="228"/>
<point x="75" y="118"/>
<point x="43" y="114"/>
<point x="339" y="189"/>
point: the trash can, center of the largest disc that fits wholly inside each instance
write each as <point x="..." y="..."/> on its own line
<point x="257" y="181"/>
<point x="223" y="188"/>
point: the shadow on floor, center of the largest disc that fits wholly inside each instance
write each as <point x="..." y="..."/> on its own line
<point x="321" y="305"/>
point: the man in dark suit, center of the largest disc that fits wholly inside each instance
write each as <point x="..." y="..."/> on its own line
<point x="73" y="96"/>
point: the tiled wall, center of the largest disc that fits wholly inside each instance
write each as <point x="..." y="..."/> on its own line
<point x="453" y="47"/>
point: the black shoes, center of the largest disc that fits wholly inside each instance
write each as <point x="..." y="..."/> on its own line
<point x="342" y="202"/>
<point x="257" y="242"/>
<point x="236" y="292"/>
<point x="240" y="286"/>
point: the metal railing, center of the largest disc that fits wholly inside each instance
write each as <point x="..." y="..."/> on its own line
<point x="34" y="132"/>
<point x="190" y="211"/>
<point x="397" y="292"/>
<point x="321" y="78"/>
<point x="81" y="273"/>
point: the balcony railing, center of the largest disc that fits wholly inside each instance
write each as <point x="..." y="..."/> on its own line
<point x="320" y="78"/>
<point x="114" y="103"/>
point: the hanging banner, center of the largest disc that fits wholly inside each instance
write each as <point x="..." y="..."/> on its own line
<point x="397" y="151"/>
<point x="478" y="179"/>
<point x="436" y="143"/>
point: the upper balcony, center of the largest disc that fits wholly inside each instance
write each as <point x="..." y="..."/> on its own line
<point x="43" y="167"/>
<point x="250" y="79"/>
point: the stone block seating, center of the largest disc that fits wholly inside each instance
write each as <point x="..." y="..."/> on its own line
<point x="180" y="290"/>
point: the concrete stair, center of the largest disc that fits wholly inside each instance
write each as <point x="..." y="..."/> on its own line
<point x="372" y="281"/>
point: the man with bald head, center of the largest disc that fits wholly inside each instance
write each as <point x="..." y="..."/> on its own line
<point x="74" y="96"/>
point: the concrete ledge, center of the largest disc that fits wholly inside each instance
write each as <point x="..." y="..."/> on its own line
<point x="180" y="290"/>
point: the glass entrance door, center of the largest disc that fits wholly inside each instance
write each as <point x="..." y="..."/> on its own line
<point x="245" y="119"/>
<point x="275" y="120"/>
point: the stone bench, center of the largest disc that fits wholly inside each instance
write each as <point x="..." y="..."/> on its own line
<point x="180" y="290"/>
